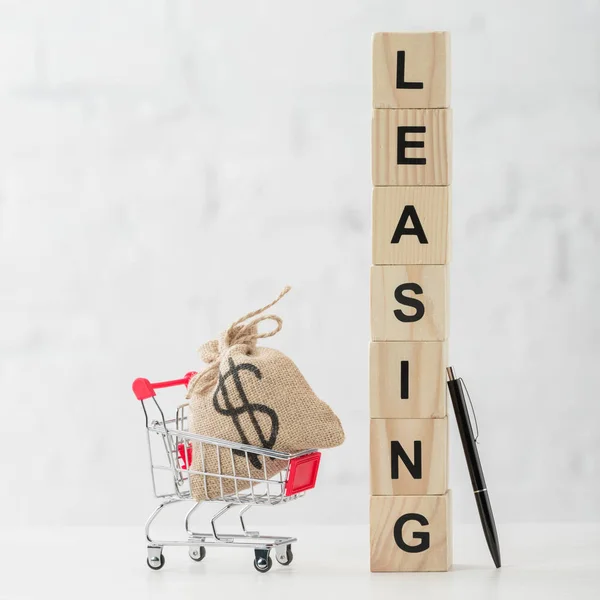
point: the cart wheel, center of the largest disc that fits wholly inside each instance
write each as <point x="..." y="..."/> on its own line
<point x="287" y="558"/>
<point x="262" y="560"/>
<point x="155" y="563"/>
<point x="197" y="553"/>
<point x="262" y="565"/>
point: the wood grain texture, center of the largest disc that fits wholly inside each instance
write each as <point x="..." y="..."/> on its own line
<point x="426" y="60"/>
<point x="426" y="380"/>
<point x="432" y="208"/>
<point x="437" y="148"/>
<point x="385" y="286"/>
<point x="387" y="556"/>
<point x="432" y="436"/>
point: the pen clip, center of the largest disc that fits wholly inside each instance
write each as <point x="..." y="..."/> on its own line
<point x="464" y="386"/>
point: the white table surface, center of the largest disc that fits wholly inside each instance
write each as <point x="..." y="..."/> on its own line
<point x="545" y="561"/>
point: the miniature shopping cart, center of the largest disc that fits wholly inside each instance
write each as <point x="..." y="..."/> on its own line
<point x="171" y="446"/>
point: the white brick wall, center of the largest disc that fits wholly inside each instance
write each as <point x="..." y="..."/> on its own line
<point x="166" y="166"/>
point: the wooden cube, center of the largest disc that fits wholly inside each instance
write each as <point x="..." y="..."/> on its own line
<point x="411" y="146"/>
<point x="411" y="70"/>
<point x="409" y="303"/>
<point x="411" y="533"/>
<point x="409" y="456"/>
<point x="411" y="225"/>
<point x="408" y="380"/>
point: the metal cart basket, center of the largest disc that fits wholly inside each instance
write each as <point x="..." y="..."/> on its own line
<point x="170" y="446"/>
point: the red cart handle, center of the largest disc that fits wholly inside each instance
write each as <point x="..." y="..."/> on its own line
<point x="143" y="389"/>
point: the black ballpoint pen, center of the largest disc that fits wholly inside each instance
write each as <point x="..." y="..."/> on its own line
<point x="474" y="465"/>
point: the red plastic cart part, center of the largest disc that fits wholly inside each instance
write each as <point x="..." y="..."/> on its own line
<point x="303" y="473"/>
<point x="185" y="458"/>
<point x="143" y="389"/>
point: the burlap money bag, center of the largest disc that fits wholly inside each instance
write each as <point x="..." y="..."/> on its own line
<point x="256" y="396"/>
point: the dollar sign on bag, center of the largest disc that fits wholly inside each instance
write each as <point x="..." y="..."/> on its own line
<point x="245" y="406"/>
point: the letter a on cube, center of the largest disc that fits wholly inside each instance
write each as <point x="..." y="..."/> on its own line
<point x="411" y="225"/>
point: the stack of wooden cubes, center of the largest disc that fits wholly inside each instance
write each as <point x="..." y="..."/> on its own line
<point x="411" y="164"/>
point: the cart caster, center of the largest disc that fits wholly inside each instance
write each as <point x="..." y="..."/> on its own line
<point x="284" y="556"/>
<point x="197" y="553"/>
<point x="262" y="561"/>
<point x="156" y="559"/>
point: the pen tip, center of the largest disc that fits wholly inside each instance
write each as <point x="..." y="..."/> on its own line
<point x="496" y="556"/>
<point x="450" y="372"/>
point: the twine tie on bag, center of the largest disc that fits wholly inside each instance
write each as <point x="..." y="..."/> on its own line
<point x="243" y="332"/>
